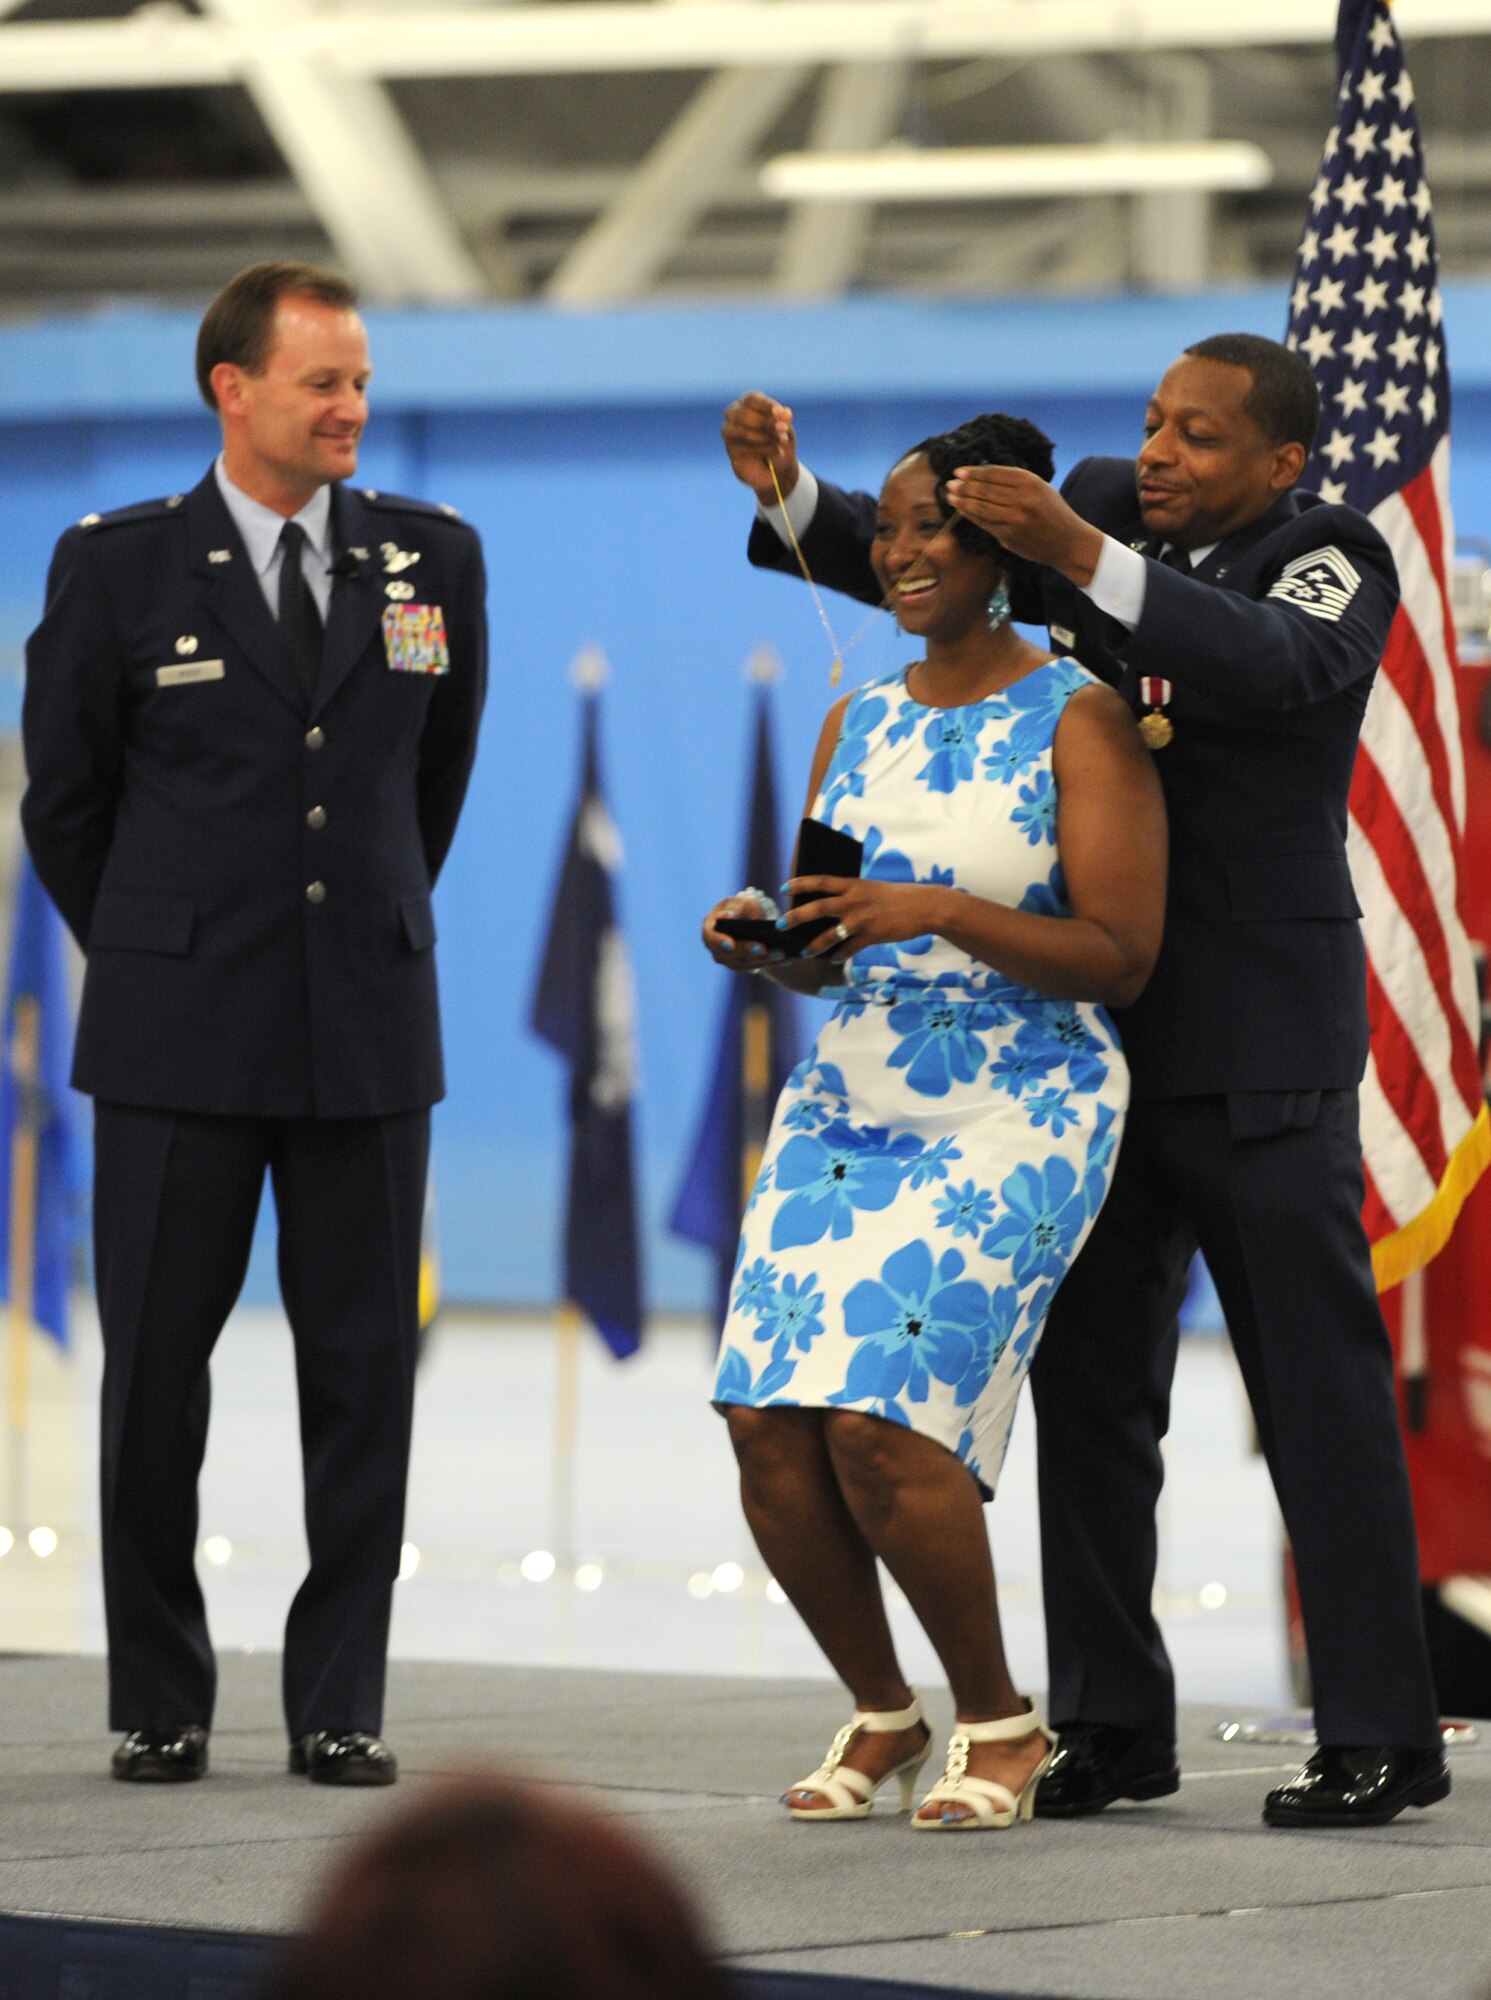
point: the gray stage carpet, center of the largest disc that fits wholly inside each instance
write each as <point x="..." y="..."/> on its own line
<point x="1191" y="1896"/>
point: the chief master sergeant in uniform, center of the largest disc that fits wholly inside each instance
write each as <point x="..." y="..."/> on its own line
<point x="1244" y="620"/>
<point x="250" y="718"/>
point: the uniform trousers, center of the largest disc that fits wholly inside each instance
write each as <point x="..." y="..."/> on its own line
<point x="175" y="1200"/>
<point x="1270" y="1187"/>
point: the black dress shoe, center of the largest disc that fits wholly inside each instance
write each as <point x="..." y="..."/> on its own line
<point x="1364" y="1785"/>
<point x="343" y="1757"/>
<point x="1098" y="1762"/>
<point x="161" y="1756"/>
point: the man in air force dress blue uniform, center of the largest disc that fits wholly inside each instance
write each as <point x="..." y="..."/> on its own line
<point x="250" y="717"/>
<point x="1244" y="621"/>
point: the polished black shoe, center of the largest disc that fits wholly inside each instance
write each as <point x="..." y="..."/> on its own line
<point x="343" y="1757"/>
<point x="161" y="1756"/>
<point x="1098" y="1762"/>
<point x="1363" y="1785"/>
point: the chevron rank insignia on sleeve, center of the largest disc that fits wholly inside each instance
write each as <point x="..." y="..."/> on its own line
<point x="1320" y="584"/>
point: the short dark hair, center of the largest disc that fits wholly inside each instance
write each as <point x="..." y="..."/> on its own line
<point x="239" y="324"/>
<point x="1284" y="401"/>
<point x="990" y="439"/>
<point x="483" y="1890"/>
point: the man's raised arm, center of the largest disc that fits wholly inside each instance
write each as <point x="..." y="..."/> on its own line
<point x="833" y="528"/>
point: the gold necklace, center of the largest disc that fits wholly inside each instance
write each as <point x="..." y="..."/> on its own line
<point x="836" y="671"/>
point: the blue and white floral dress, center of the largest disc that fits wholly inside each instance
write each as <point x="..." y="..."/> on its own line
<point x="937" y="1160"/>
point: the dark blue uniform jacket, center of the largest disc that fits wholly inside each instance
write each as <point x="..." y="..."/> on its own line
<point x="1261" y="982"/>
<point x="248" y="874"/>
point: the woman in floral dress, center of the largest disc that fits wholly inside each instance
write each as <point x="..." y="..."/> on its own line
<point x="937" y="1160"/>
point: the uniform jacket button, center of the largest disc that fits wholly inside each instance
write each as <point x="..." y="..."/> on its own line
<point x="316" y="818"/>
<point x="314" y="738"/>
<point x="315" y="892"/>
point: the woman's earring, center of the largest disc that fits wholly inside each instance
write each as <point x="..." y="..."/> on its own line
<point x="999" y="607"/>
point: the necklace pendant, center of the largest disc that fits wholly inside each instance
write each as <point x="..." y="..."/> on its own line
<point x="1156" y="729"/>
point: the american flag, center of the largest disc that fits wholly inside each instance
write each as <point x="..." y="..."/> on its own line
<point x="1366" y="313"/>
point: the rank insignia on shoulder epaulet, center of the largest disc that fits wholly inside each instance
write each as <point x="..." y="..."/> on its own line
<point x="403" y="503"/>
<point x="142" y="510"/>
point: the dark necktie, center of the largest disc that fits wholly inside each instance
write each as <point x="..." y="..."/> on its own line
<point x="300" y="620"/>
<point x="1175" y="558"/>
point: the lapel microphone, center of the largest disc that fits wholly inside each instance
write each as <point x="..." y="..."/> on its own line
<point x="345" y="565"/>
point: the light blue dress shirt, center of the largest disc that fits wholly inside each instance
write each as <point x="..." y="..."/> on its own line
<point x="260" y="529"/>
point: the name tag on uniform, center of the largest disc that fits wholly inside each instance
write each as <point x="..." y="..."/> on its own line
<point x="188" y="671"/>
<point x="414" y="639"/>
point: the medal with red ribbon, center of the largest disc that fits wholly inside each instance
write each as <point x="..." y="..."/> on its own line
<point x="1154" y="725"/>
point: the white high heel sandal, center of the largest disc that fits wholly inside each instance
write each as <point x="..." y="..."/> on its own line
<point x="990" y="1803"/>
<point x="850" y="1792"/>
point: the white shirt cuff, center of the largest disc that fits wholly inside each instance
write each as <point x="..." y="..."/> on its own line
<point x="802" y="505"/>
<point x="1118" y="582"/>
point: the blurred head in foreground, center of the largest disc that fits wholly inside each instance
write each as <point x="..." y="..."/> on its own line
<point x="485" y="1890"/>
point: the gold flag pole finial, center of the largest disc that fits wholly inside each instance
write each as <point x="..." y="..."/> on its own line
<point x="763" y="667"/>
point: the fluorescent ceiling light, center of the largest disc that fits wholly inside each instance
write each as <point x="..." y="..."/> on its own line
<point x="1013" y="173"/>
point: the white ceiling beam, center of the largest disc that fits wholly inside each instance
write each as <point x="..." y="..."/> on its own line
<point x="1172" y="226"/>
<point x="360" y="171"/>
<point x="147" y="51"/>
<point x="859" y="105"/>
<point x="154" y="48"/>
<point x="708" y="33"/>
<point x="155" y="207"/>
<point x="633" y="238"/>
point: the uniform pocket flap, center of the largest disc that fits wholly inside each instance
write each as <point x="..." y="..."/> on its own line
<point x="1285" y="886"/>
<point x="418" y="915"/>
<point x="141" y="920"/>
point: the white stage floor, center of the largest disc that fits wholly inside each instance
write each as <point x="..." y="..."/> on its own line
<point x="656" y="1573"/>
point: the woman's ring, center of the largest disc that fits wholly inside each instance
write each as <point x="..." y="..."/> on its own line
<point x="841" y="932"/>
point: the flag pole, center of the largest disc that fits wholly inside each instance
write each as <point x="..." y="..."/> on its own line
<point x="25" y="1056"/>
<point x="589" y="672"/>
<point x="762" y="669"/>
<point x="566" y="1426"/>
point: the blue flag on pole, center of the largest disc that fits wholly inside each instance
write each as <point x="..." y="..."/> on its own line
<point x="47" y="1108"/>
<point x="754" y="1055"/>
<point x="584" y="1007"/>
